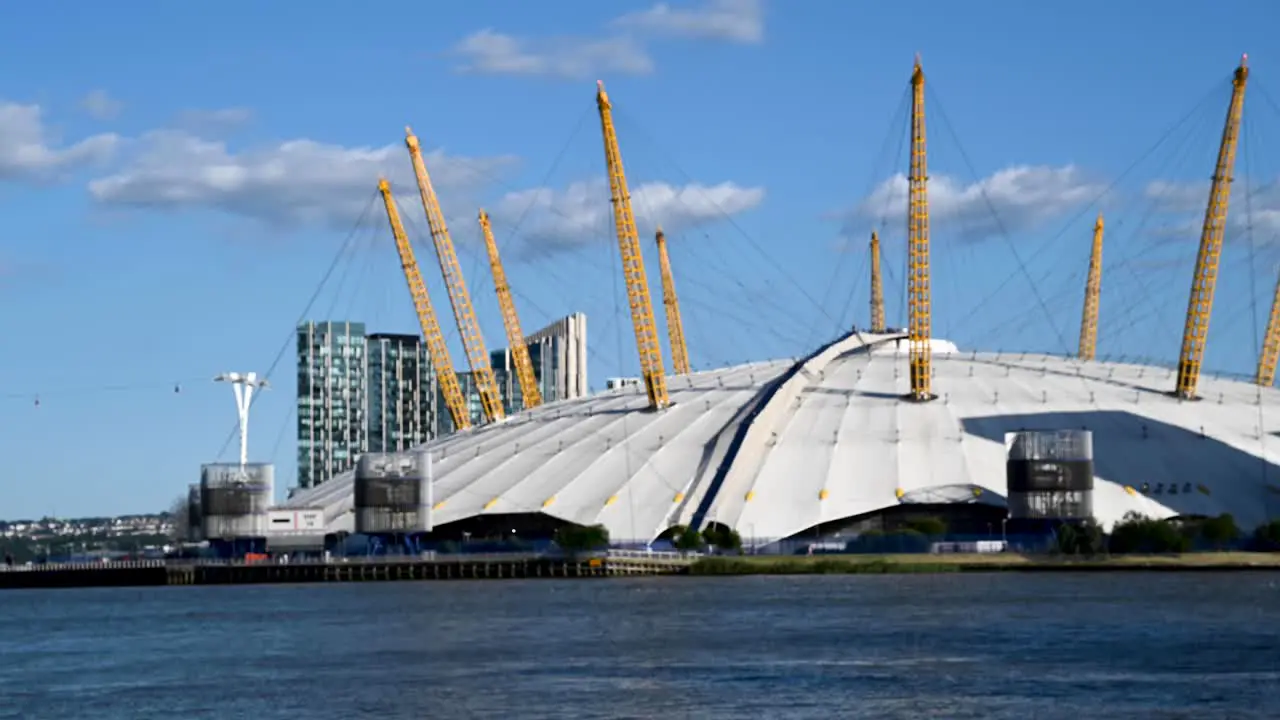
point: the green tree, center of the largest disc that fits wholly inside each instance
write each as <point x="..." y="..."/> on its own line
<point x="722" y="537"/>
<point x="1267" y="537"/>
<point x="1220" y="531"/>
<point x="686" y="538"/>
<point x="1139" y="534"/>
<point x="574" y="539"/>
<point x="1083" y="539"/>
<point x="933" y="527"/>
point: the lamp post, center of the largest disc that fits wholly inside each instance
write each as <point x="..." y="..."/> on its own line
<point x="243" y="384"/>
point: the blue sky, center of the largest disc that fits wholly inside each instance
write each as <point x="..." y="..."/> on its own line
<point x="174" y="182"/>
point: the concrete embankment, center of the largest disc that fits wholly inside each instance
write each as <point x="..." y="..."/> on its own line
<point x="155" y="573"/>
<point x="462" y="567"/>
<point x="1002" y="562"/>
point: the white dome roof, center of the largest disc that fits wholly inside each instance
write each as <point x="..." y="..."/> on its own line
<point x="774" y="448"/>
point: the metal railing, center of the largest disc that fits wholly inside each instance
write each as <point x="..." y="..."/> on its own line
<point x="428" y="556"/>
<point x="660" y="555"/>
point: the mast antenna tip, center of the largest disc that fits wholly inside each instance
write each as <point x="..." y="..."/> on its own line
<point x="600" y="85"/>
<point x="1244" y="59"/>
<point x="917" y="58"/>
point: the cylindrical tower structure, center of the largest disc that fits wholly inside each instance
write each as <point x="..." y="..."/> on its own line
<point x="234" y="499"/>
<point x="1049" y="474"/>
<point x="393" y="493"/>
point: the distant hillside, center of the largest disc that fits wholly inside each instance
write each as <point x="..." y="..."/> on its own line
<point x="59" y="537"/>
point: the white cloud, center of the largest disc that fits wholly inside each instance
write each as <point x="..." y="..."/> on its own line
<point x="205" y="122"/>
<point x="490" y="52"/>
<point x="29" y="152"/>
<point x="733" y="20"/>
<point x="100" y="105"/>
<point x="557" y="220"/>
<point x="298" y="182"/>
<point x="494" y="53"/>
<point x="1012" y="200"/>
<point x="1257" y="206"/>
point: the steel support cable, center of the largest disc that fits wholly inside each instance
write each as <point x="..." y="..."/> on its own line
<point x="940" y="111"/>
<point x="1160" y="327"/>
<point x="752" y="297"/>
<point x="513" y="229"/>
<point x="525" y="300"/>
<point x="1246" y="131"/>
<point x="770" y="261"/>
<point x="717" y="264"/>
<point x="1069" y="225"/>
<point x="1112" y="263"/>
<point x="860" y="272"/>
<point x="357" y="275"/>
<point x="615" y="255"/>
<point x="968" y="234"/>
<point x="1130" y="264"/>
<point x="1144" y="319"/>
<point x="883" y="159"/>
<point x="694" y="327"/>
<point x="315" y="295"/>
<point x="174" y="385"/>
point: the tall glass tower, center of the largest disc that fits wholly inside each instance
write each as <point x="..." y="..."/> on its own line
<point x="402" y="393"/>
<point x="332" y="399"/>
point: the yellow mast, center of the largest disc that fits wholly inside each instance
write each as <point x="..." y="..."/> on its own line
<point x="511" y="321"/>
<point x="1266" y="376"/>
<point x="877" y="287"/>
<point x="919" y="311"/>
<point x="459" y="298"/>
<point x="1092" y="297"/>
<point x="671" y="303"/>
<point x="655" y="380"/>
<point x="436" y="347"/>
<point x="1204" y="282"/>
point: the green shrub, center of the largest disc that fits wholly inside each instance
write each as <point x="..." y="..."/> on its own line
<point x="722" y="537"/>
<point x="575" y="539"/>
<point x="1138" y="534"/>
<point x="1267" y="537"/>
<point x="933" y="527"/>
<point x="1084" y="539"/>
<point x="1219" y="532"/>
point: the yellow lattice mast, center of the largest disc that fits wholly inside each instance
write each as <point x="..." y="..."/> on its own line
<point x="1092" y="297"/>
<point x="1266" y="376"/>
<point x="671" y="303"/>
<point x="459" y="298"/>
<point x="624" y="220"/>
<point x="918" y="291"/>
<point x="519" y="348"/>
<point x="1200" y="305"/>
<point x="877" y="287"/>
<point x="436" y="347"/>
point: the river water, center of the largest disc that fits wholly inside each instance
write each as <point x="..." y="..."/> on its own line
<point x="1130" y="645"/>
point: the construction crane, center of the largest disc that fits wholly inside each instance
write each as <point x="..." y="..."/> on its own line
<point x="1092" y="297"/>
<point x="1266" y="376"/>
<point x="877" y="287"/>
<point x="447" y="379"/>
<point x="459" y="298"/>
<point x="671" y="303"/>
<point x="519" y="348"/>
<point x="1204" y="282"/>
<point x="919" y="311"/>
<point x="624" y="220"/>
